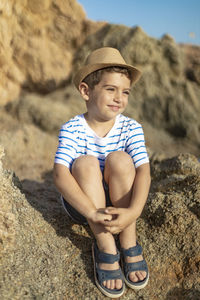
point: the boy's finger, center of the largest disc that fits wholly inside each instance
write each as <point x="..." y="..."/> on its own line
<point x="112" y="210"/>
<point x="113" y="223"/>
<point x="106" y="218"/>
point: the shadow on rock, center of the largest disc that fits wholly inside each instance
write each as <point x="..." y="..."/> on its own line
<point x="44" y="197"/>
<point x="183" y="294"/>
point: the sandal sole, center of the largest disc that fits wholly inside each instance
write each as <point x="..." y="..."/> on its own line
<point x="137" y="287"/>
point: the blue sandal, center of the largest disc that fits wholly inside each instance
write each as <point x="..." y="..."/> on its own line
<point x="104" y="275"/>
<point x="133" y="267"/>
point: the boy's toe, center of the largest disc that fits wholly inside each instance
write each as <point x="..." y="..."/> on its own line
<point x="137" y="276"/>
<point x="118" y="284"/>
<point x="141" y="275"/>
<point x="112" y="284"/>
<point x="133" y="277"/>
<point x="108" y="284"/>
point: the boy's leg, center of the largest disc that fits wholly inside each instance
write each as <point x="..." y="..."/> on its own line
<point x="119" y="174"/>
<point x="86" y="171"/>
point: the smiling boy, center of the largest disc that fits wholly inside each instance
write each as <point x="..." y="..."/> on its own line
<point x="102" y="170"/>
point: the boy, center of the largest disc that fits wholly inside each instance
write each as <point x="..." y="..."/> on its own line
<point x="102" y="170"/>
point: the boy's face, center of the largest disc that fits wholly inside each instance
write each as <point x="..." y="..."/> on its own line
<point x="109" y="97"/>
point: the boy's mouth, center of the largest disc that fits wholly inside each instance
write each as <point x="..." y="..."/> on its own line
<point x="114" y="107"/>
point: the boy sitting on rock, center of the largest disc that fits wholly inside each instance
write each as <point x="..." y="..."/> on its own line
<point x="102" y="170"/>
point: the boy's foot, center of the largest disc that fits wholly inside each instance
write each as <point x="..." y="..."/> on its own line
<point x="111" y="284"/>
<point x="135" y="268"/>
<point x="138" y="275"/>
<point x="107" y="272"/>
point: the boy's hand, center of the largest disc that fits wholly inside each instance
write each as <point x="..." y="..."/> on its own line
<point x="99" y="216"/>
<point x="121" y="218"/>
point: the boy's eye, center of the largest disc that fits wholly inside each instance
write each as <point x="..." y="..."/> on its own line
<point x="126" y="92"/>
<point x="110" y="89"/>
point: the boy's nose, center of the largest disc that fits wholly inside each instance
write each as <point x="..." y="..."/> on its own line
<point x="117" y="97"/>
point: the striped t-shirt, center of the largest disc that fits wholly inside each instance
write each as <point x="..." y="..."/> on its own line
<point x="76" y="138"/>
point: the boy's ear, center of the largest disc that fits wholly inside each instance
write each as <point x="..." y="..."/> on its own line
<point x="84" y="90"/>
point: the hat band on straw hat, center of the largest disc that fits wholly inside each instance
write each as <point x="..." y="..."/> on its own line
<point x="103" y="58"/>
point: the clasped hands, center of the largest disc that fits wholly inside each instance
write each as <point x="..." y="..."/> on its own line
<point x="115" y="219"/>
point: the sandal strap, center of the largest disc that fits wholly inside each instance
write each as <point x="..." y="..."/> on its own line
<point x="133" y="251"/>
<point x="136" y="266"/>
<point x="102" y="257"/>
<point x="104" y="275"/>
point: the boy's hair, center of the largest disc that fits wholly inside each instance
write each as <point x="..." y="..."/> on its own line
<point x="95" y="77"/>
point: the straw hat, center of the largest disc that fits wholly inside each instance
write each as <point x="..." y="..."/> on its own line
<point x="103" y="58"/>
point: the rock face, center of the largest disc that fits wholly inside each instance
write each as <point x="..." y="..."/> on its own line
<point x="46" y="256"/>
<point x="37" y="40"/>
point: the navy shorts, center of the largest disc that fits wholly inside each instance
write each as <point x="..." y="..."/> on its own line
<point x="75" y="215"/>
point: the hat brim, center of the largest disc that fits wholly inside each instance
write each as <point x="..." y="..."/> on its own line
<point x="88" y="69"/>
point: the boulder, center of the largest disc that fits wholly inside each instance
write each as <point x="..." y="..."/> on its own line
<point x="38" y="39"/>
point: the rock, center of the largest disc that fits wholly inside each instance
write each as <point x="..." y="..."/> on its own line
<point x="45" y="239"/>
<point x="192" y="65"/>
<point x="8" y="220"/>
<point x="44" y="112"/>
<point x="38" y="39"/>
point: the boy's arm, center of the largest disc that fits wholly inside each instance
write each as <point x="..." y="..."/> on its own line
<point x="70" y="190"/>
<point x="125" y="216"/>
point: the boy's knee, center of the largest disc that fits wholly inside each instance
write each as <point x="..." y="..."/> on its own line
<point x="85" y="163"/>
<point x="119" y="161"/>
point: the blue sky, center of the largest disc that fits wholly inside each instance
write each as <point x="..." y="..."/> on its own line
<point x="179" y="18"/>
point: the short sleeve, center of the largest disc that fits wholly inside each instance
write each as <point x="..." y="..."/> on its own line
<point x="66" y="151"/>
<point x="135" y="145"/>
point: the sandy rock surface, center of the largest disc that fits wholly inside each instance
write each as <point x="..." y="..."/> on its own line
<point x="46" y="256"/>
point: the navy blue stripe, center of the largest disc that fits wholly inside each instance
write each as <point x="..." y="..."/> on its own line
<point x="141" y="141"/>
<point x="101" y="159"/>
<point x="139" y="153"/>
<point x="140" y="159"/>
<point x="56" y="157"/>
<point x="134" y="135"/>
<point x="83" y="153"/>
<point x="135" y="149"/>
<point x="72" y="132"/>
<point x="79" y="125"/>
<point x="116" y="135"/>
<point x="68" y="147"/>
<point x="72" y="121"/>
<point x="116" y="143"/>
<point x="64" y="154"/>
<point x="67" y="138"/>
<point x="100" y="146"/>
<point x="79" y="138"/>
